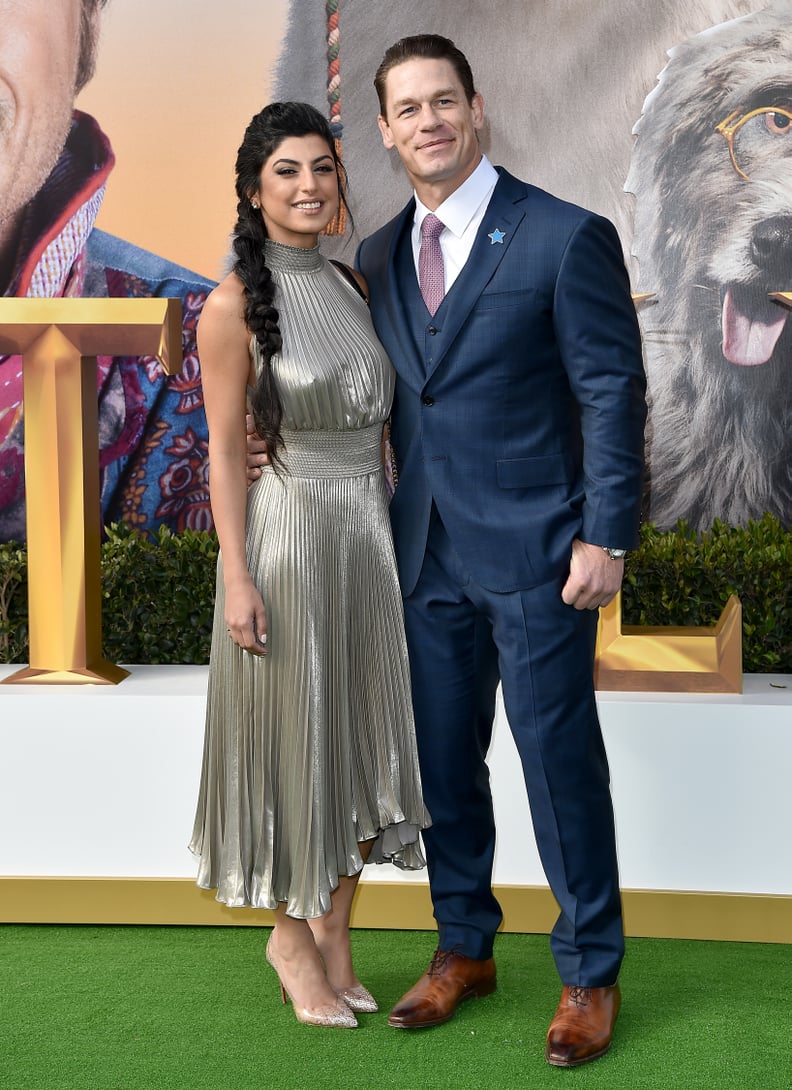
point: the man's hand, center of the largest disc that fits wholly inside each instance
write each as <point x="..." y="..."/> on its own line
<point x="594" y="579"/>
<point x="257" y="451"/>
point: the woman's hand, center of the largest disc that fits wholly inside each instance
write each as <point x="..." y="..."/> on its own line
<point x="257" y="451"/>
<point x="246" y="618"/>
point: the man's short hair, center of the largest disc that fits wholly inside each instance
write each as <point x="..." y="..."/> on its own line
<point x="427" y="47"/>
<point x="89" y="38"/>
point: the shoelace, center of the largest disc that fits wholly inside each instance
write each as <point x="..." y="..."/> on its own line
<point x="580" y="996"/>
<point x="439" y="959"/>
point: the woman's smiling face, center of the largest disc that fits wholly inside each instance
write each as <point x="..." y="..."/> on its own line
<point x="298" y="190"/>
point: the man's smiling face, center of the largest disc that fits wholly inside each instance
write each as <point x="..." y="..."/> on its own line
<point x="432" y="126"/>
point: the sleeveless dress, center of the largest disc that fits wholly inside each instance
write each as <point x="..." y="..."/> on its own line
<point x="310" y="749"/>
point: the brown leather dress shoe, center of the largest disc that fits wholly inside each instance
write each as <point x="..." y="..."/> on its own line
<point x="450" y="978"/>
<point x="582" y="1026"/>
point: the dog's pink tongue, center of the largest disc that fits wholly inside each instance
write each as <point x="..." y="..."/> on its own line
<point x="748" y="341"/>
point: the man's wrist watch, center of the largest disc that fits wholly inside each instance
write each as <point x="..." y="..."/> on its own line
<point x="615" y="554"/>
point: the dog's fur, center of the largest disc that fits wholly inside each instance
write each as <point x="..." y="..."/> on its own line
<point x="712" y="246"/>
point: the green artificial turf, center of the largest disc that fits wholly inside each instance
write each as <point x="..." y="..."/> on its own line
<point x="184" y="1008"/>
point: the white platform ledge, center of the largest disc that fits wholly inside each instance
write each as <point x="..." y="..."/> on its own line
<point x="99" y="782"/>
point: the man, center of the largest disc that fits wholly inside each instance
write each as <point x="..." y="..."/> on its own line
<point x="518" y="430"/>
<point x="54" y="165"/>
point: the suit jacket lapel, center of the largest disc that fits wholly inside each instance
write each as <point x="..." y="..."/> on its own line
<point x="504" y="214"/>
<point x="393" y="325"/>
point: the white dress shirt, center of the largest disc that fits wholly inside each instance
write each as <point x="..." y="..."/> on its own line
<point x="462" y="214"/>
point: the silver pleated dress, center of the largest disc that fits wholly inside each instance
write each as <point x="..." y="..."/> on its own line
<point x="310" y="750"/>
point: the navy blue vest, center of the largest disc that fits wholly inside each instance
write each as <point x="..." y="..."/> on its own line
<point x="421" y="323"/>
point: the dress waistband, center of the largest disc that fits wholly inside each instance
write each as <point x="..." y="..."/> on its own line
<point x="350" y="453"/>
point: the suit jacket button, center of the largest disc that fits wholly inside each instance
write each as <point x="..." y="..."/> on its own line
<point x="432" y="330"/>
<point x="428" y="401"/>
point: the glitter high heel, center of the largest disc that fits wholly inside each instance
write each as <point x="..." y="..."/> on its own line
<point x="359" y="999"/>
<point x="339" y="1016"/>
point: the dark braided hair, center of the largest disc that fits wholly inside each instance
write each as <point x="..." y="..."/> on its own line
<point x="264" y="134"/>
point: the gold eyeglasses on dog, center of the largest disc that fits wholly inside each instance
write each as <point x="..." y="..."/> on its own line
<point x="753" y="137"/>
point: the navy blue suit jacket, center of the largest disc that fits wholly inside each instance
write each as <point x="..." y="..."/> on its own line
<point x="520" y="406"/>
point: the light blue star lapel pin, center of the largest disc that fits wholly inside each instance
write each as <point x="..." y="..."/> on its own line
<point x="496" y="236"/>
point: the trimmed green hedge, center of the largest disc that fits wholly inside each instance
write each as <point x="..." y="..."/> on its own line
<point x="157" y="597"/>
<point x="679" y="577"/>
<point x="158" y="592"/>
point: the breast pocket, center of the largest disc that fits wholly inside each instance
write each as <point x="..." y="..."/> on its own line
<point x="498" y="300"/>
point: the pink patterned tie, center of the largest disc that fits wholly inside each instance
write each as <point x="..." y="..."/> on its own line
<point x="431" y="276"/>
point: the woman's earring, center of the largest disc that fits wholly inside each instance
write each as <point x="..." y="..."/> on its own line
<point x="255" y="204"/>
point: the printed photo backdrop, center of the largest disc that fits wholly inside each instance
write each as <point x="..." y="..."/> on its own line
<point x="672" y="119"/>
<point x="176" y="83"/>
<point x="130" y="197"/>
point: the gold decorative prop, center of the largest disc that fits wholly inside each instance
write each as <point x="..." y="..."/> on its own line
<point x="59" y="340"/>
<point x="638" y="658"/>
<point x="782" y="297"/>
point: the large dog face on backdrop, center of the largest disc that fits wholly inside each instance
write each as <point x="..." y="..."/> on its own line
<point x="713" y="239"/>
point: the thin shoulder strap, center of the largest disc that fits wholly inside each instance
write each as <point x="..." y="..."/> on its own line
<point x="349" y="276"/>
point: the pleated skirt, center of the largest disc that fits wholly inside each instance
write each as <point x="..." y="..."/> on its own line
<point x="310" y="750"/>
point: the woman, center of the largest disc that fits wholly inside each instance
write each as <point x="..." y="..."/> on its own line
<point x="310" y="765"/>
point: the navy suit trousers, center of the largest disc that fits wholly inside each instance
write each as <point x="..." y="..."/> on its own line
<point x="462" y="641"/>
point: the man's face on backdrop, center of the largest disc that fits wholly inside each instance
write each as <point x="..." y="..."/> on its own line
<point x="432" y="125"/>
<point x="39" y="51"/>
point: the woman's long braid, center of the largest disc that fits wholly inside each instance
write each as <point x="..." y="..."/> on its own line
<point x="261" y="318"/>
